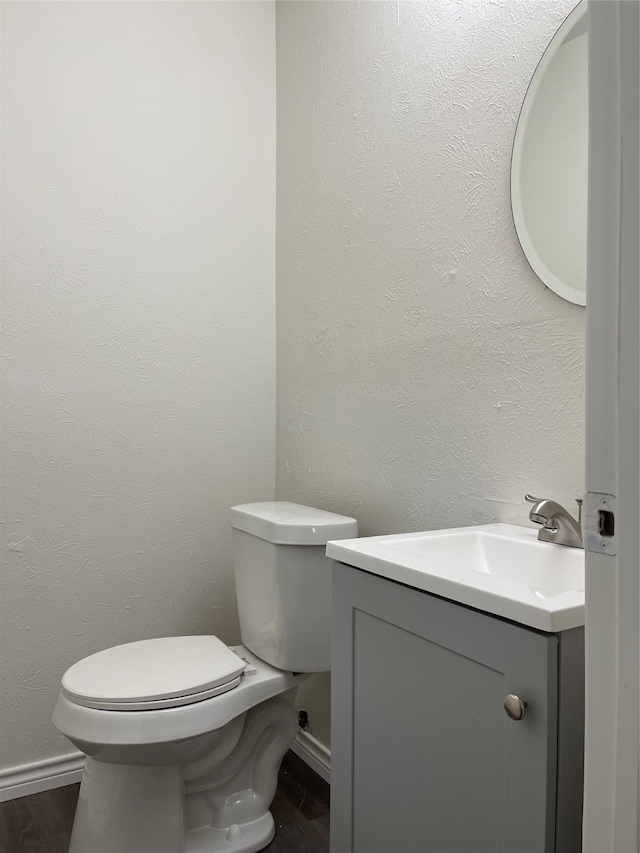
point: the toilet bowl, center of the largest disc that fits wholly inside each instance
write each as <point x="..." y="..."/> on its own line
<point x="184" y="735"/>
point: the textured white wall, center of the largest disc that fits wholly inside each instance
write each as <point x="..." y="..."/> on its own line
<point x="138" y="307"/>
<point x="426" y="378"/>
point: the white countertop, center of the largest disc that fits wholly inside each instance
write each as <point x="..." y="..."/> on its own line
<point x="498" y="568"/>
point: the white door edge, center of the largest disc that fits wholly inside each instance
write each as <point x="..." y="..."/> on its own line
<point x="612" y="754"/>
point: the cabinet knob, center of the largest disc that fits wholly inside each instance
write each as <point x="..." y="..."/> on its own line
<point x="514" y="706"/>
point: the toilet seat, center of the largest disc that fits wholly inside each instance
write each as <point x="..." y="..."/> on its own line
<point x="166" y="672"/>
<point x="105" y="729"/>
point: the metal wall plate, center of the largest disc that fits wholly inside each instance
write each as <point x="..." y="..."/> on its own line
<point x="599" y="523"/>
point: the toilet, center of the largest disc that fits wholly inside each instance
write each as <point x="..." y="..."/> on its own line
<point x="184" y="735"/>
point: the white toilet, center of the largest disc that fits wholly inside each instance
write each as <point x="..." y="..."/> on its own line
<point x="184" y="735"/>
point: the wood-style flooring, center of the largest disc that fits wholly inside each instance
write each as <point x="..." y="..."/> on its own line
<point x="42" y="822"/>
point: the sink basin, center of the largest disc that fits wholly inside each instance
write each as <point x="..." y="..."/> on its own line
<point x="499" y="568"/>
<point x="548" y="571"/>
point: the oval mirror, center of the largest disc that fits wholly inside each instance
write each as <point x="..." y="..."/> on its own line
<point x="549" y="163"/>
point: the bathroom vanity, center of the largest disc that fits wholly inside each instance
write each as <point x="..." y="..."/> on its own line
<point x="425" y="756"/>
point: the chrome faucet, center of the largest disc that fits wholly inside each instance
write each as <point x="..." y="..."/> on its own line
<point x="558" y="525"/>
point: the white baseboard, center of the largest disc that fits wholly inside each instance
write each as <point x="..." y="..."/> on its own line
<point x="40" y="776"/>
<point x="313" y="753"/>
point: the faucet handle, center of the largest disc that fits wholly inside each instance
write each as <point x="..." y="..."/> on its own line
<point x="579" y="502"/>
<point x="531" y="500"/>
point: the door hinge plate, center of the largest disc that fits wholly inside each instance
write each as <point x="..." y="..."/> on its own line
<point x="599" y="523"/>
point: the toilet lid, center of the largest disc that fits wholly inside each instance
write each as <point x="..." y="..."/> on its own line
<point x="160" y="673"/>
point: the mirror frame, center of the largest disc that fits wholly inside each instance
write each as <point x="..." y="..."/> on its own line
<point x="546" y="276"/>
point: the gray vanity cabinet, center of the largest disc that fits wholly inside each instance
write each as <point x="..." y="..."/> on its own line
<point x="424" y="756"/>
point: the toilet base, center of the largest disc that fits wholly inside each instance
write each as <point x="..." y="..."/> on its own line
<point x="140" y="810"/>
<point x="248" y="838"/>
<point x="216" y="803"/>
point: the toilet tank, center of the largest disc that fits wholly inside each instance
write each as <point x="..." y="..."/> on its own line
<point x="283" y="581"/>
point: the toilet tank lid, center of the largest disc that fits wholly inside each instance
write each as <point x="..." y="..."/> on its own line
<point x="285" y="523"/>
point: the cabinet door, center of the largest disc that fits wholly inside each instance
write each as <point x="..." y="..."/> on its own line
<point x="424" y="757"/>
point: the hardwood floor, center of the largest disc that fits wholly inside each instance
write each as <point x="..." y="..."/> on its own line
<point x="42" y="823"/>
